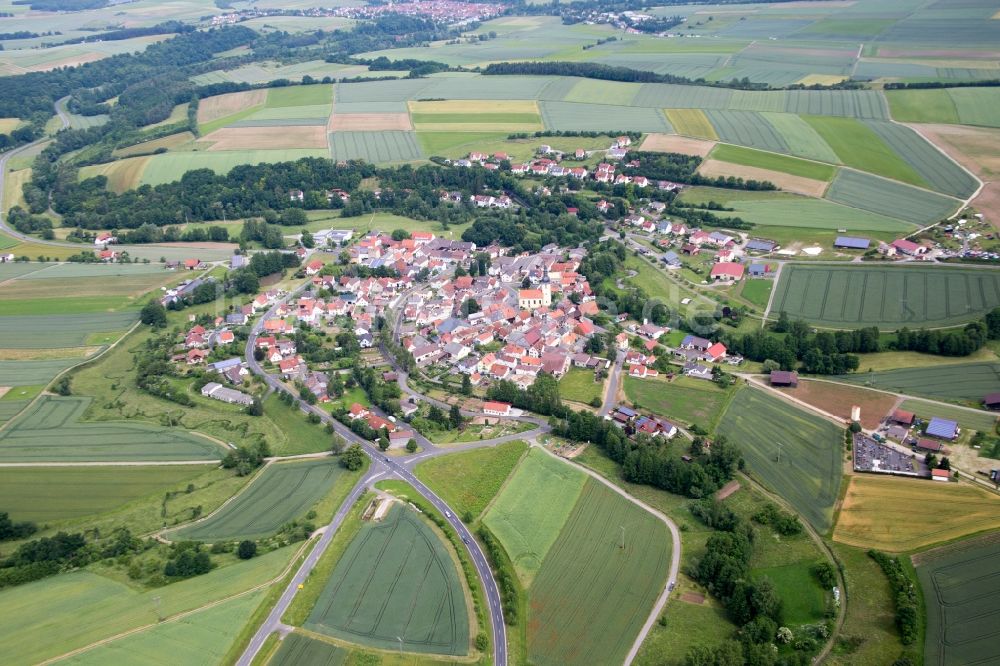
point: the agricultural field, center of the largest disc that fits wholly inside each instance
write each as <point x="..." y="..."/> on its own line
<point x="968" y="382"/>
<point x="202" y="637"/>
<point x="122" y="175"/>
<point x="476" y="116"/>
<point x="671" y="143"/>
<point x="282" y="493"/>
<point x="169" y="167"/>
<point x="933" y="166"/>
<point x="886" y="296"/>
<point x="692" y="122"/>
<point x="526" y="532"/>
<point x="960" y="586"/>
<point x="55" y="331"/>
<point x="588" y="579"/>
<point x="375" y="146"/>
<point x="877" y="513"/>
<point x="469" y="480"/>
<point x="33" y="372"/>
<point x="858" y="146"/>
<point x="952" y="106"/>
<point x="578" y="385"/>
<point x="837" y="399"/>
<point x="690" y="401"/>
<point x="806" y="470"/>
<point x="50" y="617"/>
<point x="783" y="181"/>
<point x="423" y="602"/>
<point x="49" y="494"/>
<point x="52" y="432"/>
<point x="581" y="117"/>
<point x="167" y="142"/>
<point x="889" y="198"/>
<point x="45" y="292"/>
<point x="773" y="162"/>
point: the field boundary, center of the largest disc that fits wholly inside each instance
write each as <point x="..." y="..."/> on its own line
<point x="675" y="549"/>
<point x="183" y="614"/>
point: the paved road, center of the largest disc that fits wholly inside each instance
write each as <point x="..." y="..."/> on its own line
<point x="381" y="466"/>
<point x="613" y="383"/>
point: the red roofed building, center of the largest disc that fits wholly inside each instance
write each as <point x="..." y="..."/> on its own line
<point x="192" y="264"/>
<point x="314" y="267"/>
<point x="496" y="408"/>
<point x="902" y="416"/>
<point x="716" y="352"/>
<point x="357" y="411"/>
<point x="908" y="247"/>
<point x="727" y="270"/>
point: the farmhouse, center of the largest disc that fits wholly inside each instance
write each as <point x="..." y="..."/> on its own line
<point x="217" y="391"/>
<point x="930" y="445"/>
<point x="908" y="247"/>
<point x="940" y="475"/>
<point x="784" y="378"/>
<point x="903" y="417"/>
<point x="727" y="270"/>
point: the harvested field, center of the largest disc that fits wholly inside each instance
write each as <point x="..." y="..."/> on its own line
<point x="422" y="601"/>
<point x="838" y="399"/>
<point x="786" y="182"/>
<point x="122" y="175"/>
<point x="877" y="512"/>
<point x="671" y="143"/>
<point x="972" y="147"/>
<point x="265" y="138"/>
<point x="961" y="586"/>
<point x="220" y="106"/>
<point x="475" y="106"/>
<point x="283" y="492"/>
<point x="369" y="122"/>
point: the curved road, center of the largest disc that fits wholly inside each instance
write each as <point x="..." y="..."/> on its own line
<point x="381" y="466"/>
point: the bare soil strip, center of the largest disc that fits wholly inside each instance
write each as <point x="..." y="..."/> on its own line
<point x="787" y="182"/>
<point x="671" y="143"/>
<point x="369" y="122"/>
<point x="220" y="106"/>
<point x="281" y="137"/>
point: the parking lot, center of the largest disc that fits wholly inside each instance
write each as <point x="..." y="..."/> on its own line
<point x="871" y="456"/>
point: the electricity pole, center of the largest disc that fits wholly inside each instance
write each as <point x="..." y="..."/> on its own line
<point x="623" y="537"/>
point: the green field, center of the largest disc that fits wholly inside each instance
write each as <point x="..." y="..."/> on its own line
<point x="757" y="291"/>
<point x="933" y="165"/>
<point x="299" y="96"/>
<point x="579" y="117"/>
<point x="773" y="161"/>
<point x="48" y="618"/>
<point x="300" y="435"/>
<point x="517" y="518"/>
<point x="587" y="580"/>
<point x="578" y="384"/>
<point x="55" y="331"/>
<point x="283" y="492"/>
<point x="782" y="209"/>
<point x="31" y="373"/>
<point x="52" y="432"/>
<point x="890" y="198"/>
<point x="467" y="481"/>
<point x="968" y="419"/>
<point x="809" y="470"/>
<point x="375" y="146"/>
<point x="962" y="599"/>
<point x="803" y="601"/>
<point x="193" y="640"/>
<point x="690" y="401"/>
<point x="299" y="650"/>
<point x="885" y="296"/>
<point x="858" y="146"/>
<point x="800" y="137"/>
<point x="420" y="601"/>
<point x="46" y="494"/>
<point x="169" y="167"/>
<point x="964" y="381"/>
<point x="965" y="106"/>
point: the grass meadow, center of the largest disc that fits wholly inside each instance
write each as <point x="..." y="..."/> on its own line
<point x="53" y="616"/>
<point x="966" y="418"/>
<point x="578" y="385"/>
<point x="858" y="146"/>
<point x="423" y="601"/>
<point x="808" y="472"/>
<point x="886" y="296"/>
<point x="199" y="638"/>
<point x="875" y="513"/>
<point x="515" y="517"/>
<point x="773" y="161"/>
<point x="690" y="401"/>
<point x="469" y="480"/>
